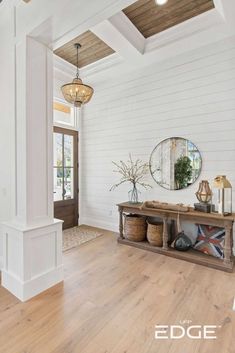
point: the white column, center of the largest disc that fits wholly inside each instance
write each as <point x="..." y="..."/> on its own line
<point x="33" y="239"/>
<point x="7" y="121"/>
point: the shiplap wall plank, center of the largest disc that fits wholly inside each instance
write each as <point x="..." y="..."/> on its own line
<point x="192" y="96"/>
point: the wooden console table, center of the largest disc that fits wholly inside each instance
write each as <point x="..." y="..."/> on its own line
<point x="193" y="216"/>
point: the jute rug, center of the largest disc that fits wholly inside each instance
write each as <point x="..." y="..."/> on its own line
<point x="77" y="236"/>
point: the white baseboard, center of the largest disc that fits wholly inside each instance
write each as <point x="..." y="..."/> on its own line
<point x="29" y="289"/>
<point x="99" y="224"/>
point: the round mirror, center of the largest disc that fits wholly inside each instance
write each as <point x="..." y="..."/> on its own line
<point x="175" y="163"/>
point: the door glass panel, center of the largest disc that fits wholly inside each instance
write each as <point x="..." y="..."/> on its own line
<point x="58" y="184"/>
<point x="63" y="167"/>
<point x="58" y="150"/>
<point x="68" y="151"/>
<point x="68" y="183"/>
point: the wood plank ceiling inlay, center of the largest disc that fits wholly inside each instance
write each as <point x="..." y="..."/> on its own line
<point x="92" y="50"/>
<point x="151" y="19"/>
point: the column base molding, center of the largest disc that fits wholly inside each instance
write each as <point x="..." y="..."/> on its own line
<point x="29" y="289"/>
<point x="32" y="259"/>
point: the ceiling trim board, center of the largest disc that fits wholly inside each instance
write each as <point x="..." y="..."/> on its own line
<point x="110" y="61"/>
<point x="128" y="30"/>
<point x="65" y="70"/>
<point x="185" y="29"/>
<point x="130" y="47"/>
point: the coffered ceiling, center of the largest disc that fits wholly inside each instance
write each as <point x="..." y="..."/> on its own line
<point x="92" y="50"/>
<point x="151" y="19"/>
<point x="129" y="32"/>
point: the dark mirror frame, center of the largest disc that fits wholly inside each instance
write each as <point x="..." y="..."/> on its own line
<point x="150" y="164"/>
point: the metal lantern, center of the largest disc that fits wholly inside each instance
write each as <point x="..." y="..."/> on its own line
<point x="222" y="195"/>
<point x="204" y="193"/>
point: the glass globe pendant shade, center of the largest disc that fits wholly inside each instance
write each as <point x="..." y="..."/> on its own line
<point x="77" y="93"/>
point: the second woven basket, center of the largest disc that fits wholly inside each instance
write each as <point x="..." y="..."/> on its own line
<point x="155" y="233"/>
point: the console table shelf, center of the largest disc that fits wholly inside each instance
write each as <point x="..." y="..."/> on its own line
<point x="193" y="256"/>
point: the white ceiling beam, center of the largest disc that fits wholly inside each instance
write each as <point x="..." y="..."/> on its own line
<point x="120" y="34"/>
<point x="227" y="10"/>
<point x="76" y="11"/>
<point x="219" y="7"/>
<point x="122" y="23"/>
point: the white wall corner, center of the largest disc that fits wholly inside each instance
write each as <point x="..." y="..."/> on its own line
<point x="99" y="223"/>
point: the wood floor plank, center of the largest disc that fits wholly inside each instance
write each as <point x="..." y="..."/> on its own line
<point x="111" y="300"/>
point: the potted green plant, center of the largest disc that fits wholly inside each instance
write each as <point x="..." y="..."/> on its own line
<point x="183" y="172"/>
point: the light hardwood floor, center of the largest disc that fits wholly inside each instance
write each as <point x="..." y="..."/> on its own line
<point x="112" y="298"/>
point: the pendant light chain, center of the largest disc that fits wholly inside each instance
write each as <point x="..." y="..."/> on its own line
<point x="77" y="62"/>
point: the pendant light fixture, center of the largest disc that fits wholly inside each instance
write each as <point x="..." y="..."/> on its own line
<point x="76" y="92"/>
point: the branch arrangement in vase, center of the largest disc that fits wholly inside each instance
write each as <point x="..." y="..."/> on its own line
<point x="133" y="172"/>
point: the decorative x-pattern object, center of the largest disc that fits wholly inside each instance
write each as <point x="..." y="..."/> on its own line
<point x="210" y="240"/>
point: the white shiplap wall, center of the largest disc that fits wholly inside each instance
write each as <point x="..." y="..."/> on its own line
<point x="191" y="96"/>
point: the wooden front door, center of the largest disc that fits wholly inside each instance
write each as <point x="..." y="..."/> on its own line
<point x="66" y="176"/>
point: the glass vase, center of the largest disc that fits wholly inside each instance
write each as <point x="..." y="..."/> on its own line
<point x="134" y="194"/>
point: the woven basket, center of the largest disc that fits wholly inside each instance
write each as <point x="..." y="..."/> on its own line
<point x="155" y="233"/>
<point x="135" y="227"/>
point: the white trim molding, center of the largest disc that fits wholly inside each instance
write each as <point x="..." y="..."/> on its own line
<point x="195" y="25"/>
<point x="63" y="70"/>
<point x="25" y="273"/>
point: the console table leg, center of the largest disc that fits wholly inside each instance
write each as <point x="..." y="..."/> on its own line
<point x="121" y="223"/>
<point x="228" y="245"/>
<point x="165" y="234"/>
